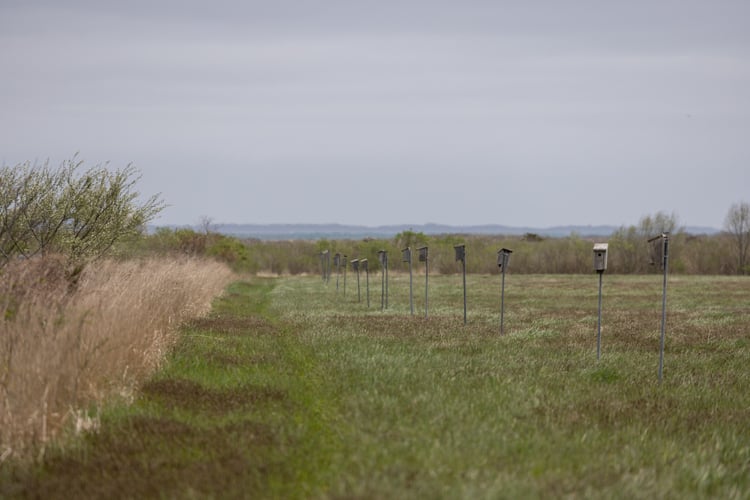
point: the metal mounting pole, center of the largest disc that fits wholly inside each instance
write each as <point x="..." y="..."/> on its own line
<point x="502" y="302"/>
<point x="382" y="290"/>
<point x="426" y="283"/>
<point x="503" y="257"/>
<point x="411" y="288"/>
<point x="383" y="257"/>
<point x="359" y="293"/>
<point x="424" y="257"/>
<point x="665" y="236"/>
<point x="463" y="262"/>
<point x="599" y="323"/>
<point x="386" y="282"/>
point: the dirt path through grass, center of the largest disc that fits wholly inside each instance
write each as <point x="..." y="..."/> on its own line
<point x="225" y="418"/>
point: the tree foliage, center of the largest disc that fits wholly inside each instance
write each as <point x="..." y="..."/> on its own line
<point x="737" y="224"/>
<point x="76" y="212"/>
<point x="628" y="243"/>
<point x="628" y="251"/>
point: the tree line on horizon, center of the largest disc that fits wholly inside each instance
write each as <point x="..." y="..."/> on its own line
<point x="86" y="214"/>
<point x="724" y="253"/>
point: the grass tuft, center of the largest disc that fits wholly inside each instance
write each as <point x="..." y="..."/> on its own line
<point x="66" y="347"/>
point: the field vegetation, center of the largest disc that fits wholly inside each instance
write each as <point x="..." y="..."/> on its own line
<point x="115" y="380"/>
<point x="76" y="325"/>
<point x="63" y="352"/>
<point x="690" y="254"/>
<point x="290" y="388"/>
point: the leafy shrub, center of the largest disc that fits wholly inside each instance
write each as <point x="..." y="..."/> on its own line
<point x="78" y="214"/>
<point x="233" y="252"/>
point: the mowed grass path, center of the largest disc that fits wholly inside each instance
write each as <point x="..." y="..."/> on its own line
<point x="235" y="413"/>
<point x="291" y="389"/>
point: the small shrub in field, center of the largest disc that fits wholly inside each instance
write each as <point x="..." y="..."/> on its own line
<point x="233" y="252"/>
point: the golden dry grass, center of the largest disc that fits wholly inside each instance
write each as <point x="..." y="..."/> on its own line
<point x="63" y="349"/>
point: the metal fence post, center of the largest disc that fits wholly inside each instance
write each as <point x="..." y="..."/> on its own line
<point x="423" y="257"/>
<point x="461" y="255"/>
<point x="665" y="237"/>
<point x="503" y="257"/>
<point x="406" y="257"/>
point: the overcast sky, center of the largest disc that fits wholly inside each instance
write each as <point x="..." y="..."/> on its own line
<point x="525" y="113"/>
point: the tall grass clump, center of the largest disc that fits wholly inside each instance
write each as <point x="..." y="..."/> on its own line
<point x="64" y="346"/>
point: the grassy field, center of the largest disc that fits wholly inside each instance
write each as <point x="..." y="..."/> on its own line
<point x="291" y="389"/>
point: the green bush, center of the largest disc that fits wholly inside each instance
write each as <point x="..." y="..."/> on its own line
<point x="233" y="252"/>
<point x="80" y="214"/>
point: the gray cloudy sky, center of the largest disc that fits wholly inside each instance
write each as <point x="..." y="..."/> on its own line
<point x="378" y="112"/>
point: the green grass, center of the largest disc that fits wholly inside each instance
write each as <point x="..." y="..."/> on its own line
<point x="291" y="390"/>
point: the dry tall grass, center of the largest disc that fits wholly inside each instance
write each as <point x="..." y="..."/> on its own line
<point x="63" y="349"/>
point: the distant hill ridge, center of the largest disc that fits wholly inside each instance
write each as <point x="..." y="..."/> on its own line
<point x="343" y="231"/>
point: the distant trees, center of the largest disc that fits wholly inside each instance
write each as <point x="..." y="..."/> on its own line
<point x="77" y="213"/>
<point x="410" y="238"/>
<point x="628" y="244"/>
<point x="629" y="252"/>
<point x="737" y="224"/>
